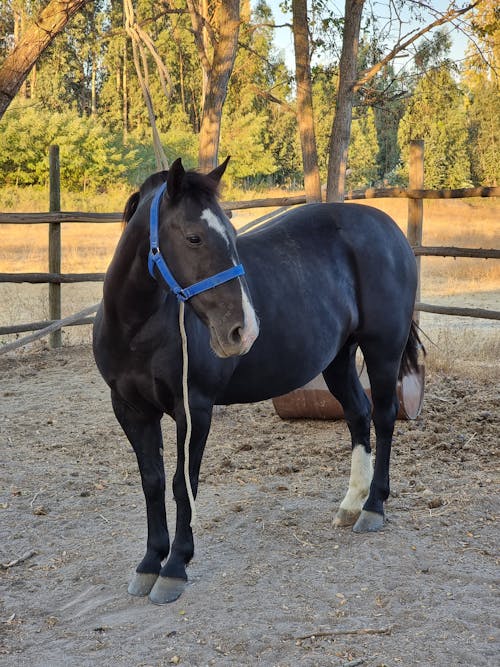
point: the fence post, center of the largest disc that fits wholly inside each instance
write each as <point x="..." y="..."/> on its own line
<point x="55" y="339"/>
<point x="416" y="206"/>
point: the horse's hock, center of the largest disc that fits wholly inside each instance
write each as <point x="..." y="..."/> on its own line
<point x="314" y="400"/>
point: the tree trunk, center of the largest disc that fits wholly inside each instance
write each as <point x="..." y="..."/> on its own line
<point x="341" y="129"/>
<point x="17" y="65"/>
<point x="93" y="103"/>
<point x="305" y="116"/>
<point x="33" y="83"/>
<point x="218" y="71"/>
<point x="125" y="94"/>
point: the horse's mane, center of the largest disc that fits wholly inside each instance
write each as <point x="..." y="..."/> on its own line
<point x="196" y="184"/>
<point x="193" y="183"/>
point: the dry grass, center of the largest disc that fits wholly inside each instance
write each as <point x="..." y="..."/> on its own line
<point x="462" y="347"/>
<point x="89" y="248"/>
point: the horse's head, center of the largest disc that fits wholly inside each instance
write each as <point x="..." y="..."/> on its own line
<point x="197" y="242"/>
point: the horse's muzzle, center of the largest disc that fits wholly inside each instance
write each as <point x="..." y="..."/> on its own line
<point x="236" y="342"/>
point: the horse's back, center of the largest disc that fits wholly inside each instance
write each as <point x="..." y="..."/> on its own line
<point x="357" y="223"/>
<point x="319" y="239"/>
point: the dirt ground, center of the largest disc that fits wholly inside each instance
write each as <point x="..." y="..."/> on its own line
<point x="272" y="582"/>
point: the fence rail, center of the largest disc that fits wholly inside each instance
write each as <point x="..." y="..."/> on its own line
<point x="51" y="278"/>
<point x="448" y="251"/>
<point x="269" y="202"/>
<point x="460" y="312"/>
<point x="61" y="217"/>
<point x="415" y="195"/>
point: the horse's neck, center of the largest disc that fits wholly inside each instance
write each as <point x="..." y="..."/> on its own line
<point x="131" y="296"/>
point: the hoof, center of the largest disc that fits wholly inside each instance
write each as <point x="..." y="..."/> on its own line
<point x="345" y="518"/>
<point x="142" y="583"/>
<point x="167" y="589"/>
<point x="368" y="522"/>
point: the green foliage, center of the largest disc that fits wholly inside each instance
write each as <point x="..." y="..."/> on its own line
<point x="285" y="148"/>
<point x="84" y="95"/>
<point x="324" y="84"/>
<point x="256" y="108"/>
<point x="68" y="75"/>
<point x="485" y="133"/>
<point x="362" y="168"/>
<point x="243" y="141"/>
<point x="91" y="158"/>
<point x="480" y="75"/>
<point x="436" y="113"/>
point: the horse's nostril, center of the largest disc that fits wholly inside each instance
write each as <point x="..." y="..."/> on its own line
<point x="235" y="335"/>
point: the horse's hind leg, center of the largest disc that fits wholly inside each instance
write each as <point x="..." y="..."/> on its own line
<point x="383" y="368"/>
<point x="144" y="434"/>
<point x="342" y="380"/>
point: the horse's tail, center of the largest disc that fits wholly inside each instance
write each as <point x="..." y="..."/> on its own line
<point x="409" y="361"/>
<point x="130" y="207"/>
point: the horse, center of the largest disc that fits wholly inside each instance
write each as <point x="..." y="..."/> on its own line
<point x="263" y="314"/>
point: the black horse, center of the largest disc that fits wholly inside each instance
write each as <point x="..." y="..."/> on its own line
<point x="318" y="283"/>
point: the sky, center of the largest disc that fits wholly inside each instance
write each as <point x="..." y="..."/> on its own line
<point x="284" y="42"/>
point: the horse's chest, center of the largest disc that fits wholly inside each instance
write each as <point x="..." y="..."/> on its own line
<point x="143" y="388"/>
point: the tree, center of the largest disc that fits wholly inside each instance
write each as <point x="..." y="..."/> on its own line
<point x="90" y="155"/>
<point x="69" y="72"/>
<point x="305" y="115"/>
<point x="341" y="128"/>
<point x="324" y="81"/>
<point x="436" y="114"/>
<point x="247" y="132"/>
<point x="216" y="38"/>
<point x="363" y="149"/>
<point x="351" y="81"/>
<point x="482" y="77"/>
<point x="18" y="63"/>
<point x="485" y="133"/>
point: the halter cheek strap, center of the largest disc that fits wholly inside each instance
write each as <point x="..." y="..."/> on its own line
<point x="155" y="258"/>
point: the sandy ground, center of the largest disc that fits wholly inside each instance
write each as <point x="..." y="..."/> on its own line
<point x="272" y="582"/>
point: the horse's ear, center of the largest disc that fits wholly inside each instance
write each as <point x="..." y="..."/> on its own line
<point x="174" y="177"/>
<point x="217" y="173"/>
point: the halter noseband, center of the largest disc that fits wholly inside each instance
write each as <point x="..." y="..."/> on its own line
<point x="156" y="258"/>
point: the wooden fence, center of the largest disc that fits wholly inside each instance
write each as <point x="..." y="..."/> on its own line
<point x="415" y="195"/>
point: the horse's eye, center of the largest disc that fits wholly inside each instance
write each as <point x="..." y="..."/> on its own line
<point x="193" y="239"/>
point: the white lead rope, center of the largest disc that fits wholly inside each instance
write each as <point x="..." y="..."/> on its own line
<point x="185" y="397"/>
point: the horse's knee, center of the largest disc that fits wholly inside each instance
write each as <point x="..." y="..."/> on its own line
<point x="153" y="485"/>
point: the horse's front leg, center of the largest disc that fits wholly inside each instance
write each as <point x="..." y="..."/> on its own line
<point x="173" y="577"/>
<point x="144" y="434"/>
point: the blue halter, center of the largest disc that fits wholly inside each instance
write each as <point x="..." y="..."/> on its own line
<point x="156" y="258"/>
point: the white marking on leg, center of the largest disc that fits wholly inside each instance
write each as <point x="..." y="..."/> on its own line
<point x="360" y="480"/>
<point x="215" y="223"/>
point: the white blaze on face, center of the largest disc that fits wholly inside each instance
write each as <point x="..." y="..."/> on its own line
<point x="250" y="325"/>
<point x="360" y="480"/>
<point x="215" y="223"/>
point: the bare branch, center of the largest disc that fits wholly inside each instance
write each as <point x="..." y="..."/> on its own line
<point x="198" y="23"/>
<point x="408" y="39"/>
<point x="139" y="55"/>
<point x="17" y="65"/>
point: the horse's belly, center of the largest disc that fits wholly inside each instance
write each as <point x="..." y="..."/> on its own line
<point x="259" y="377"/>
<point x="297" y="341"/>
